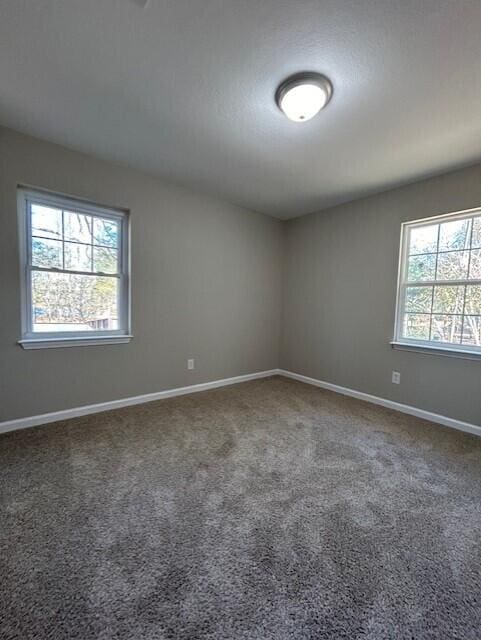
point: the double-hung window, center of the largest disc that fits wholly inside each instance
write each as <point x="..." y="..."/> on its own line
<point x="439" y="290"/>
<point x="75" y="272"/>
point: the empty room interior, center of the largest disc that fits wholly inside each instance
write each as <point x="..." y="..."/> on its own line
<point x="240" y="319"/>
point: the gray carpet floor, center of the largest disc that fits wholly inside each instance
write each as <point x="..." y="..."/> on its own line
<point x="266" y="510"/>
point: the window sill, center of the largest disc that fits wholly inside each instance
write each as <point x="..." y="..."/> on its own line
<point x="435" y="350"/>
<point x="54" y="343"/>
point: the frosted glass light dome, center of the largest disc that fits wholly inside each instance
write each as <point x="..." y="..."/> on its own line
<point x="302" y="96"/>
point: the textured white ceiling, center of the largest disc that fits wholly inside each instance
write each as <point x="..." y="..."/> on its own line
<point x="185" y="89"/>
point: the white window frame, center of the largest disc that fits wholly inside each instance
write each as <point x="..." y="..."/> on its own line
<point x="35" y="340"/>
<point x="429" y="346"/>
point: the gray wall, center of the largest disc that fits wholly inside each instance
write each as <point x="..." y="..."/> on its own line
<point x="205" y="284"/>
<point x="339" y="289"/>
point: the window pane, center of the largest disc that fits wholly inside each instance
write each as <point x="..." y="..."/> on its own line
<point x="476" y="239"/>
<point x="421" y="268"/>
<point x="78" y="257"/>
<point x="105" y="260"/>
<point x="46" y="253"/>
<point x="72" y="302"/>
<point x="448" y="299"/>
<point x="106" y="232"/>
<point x="473" y="300"/>
<point x="77" y="227"/>
<point x="46" y="222"/>
<point x="454" y="235"/>
<point x="418" y="299"/>
<point x="452" y="265"/>
<point x="416" y="326"/>
<point x="449" y="309"/>
<point x="423" y="239"/>
<point x="472" y="330"/>
<point x="475" y="265"/>
<point x="446" y="329"/>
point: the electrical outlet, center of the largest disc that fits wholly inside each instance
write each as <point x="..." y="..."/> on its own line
<point x="191" y="364"/>
<point x="396" y="377"/>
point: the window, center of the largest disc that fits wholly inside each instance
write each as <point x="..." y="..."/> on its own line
<point x="74" y="265"/>
<point x="439" y="292"/>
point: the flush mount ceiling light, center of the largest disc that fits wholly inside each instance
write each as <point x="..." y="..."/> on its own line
<point x="301" y="96"/>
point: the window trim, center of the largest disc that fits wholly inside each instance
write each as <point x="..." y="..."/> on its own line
<point x="428" y="346"/>
<point x="31" y="340"/>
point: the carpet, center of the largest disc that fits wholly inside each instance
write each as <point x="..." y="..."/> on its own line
<point x="265" y="510"/>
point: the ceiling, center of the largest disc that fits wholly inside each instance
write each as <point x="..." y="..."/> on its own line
<point x="184" y="89"/>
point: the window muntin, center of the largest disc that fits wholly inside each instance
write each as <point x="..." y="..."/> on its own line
<point x="439" y="294"/>
<point x="75" y="268"/>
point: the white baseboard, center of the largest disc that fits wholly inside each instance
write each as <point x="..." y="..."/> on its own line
<point x="390" y="404"/>
<point x="46" y="418"/>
